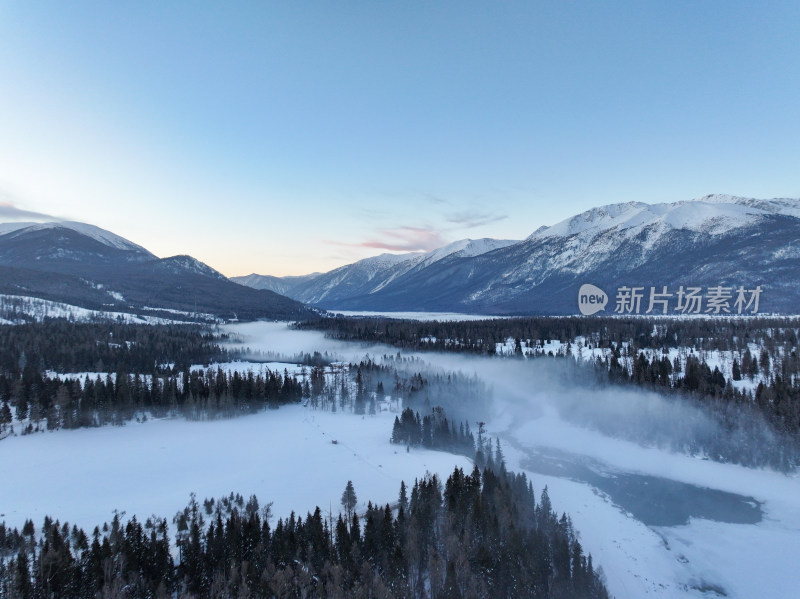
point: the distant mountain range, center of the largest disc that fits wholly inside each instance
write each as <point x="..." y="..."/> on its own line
<point x="369" y="276"/>
<point x="86" y="266"/>
<point x="687" y="247"/>
<point x="715" y="241"/>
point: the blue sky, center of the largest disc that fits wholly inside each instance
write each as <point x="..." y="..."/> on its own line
<point x="291" y="137"/>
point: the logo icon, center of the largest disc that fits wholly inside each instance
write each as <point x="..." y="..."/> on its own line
<point x="591" y="299"/>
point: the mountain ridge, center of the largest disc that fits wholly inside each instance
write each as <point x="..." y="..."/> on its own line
<point x="717" y="240"/>
<point x="103" y="236"/>
<point x="372" y="274"/>
<point x="714" y="240"/>
<point x="85" y="266"/>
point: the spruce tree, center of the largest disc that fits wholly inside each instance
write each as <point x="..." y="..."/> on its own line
<point x="349" y="499"/>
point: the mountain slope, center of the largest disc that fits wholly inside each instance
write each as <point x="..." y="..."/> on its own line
<point x="86" y="266"/>
<point x="100" y="235"/>
<point x="282" y="285"/>
<point x="713" y="241"/>
<point x="372" y="275"/>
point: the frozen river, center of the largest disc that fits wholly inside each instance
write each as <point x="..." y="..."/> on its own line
<point x="659" y="523"/>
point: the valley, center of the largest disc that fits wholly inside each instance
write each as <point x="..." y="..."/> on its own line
<point x="656" y="521"/>
<point x="385" y="300"/>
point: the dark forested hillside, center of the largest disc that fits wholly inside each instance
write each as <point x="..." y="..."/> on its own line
<point x="85" y="266"/>
<point x="64" y="346"/>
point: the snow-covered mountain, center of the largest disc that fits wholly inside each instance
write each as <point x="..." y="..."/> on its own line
<point x="713" y="241"/>
<point x="182" y="264"/>
<point x="372" y="275"/>
<point x="717" y="240"/>
<point x="712" y="214"/>
<point x="90" y="231"/>
<point x="85" y="266"/>
<point x="282" y="285"/>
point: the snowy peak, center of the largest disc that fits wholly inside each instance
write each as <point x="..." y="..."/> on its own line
<point x="377" y="274"/>
<point x="466" y="248"/>
<point x="713" y="240"/>
<point x="105" y="237"/>
<point x="785" y="206"/>
<point x="596" y="219"/>
<point x="83" y="265"/>
<point x="58" y="242"/>
<point x="713" y="214"/>
<point x="387" y="260"/>
<point x="463" y="248"/>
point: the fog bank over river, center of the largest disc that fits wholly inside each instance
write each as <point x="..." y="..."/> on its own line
<point x="658" y="522"/>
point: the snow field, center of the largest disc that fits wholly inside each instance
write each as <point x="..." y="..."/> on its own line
<point x="40" y="309"/>
<point x="285" y="456"/>
<point x="743" y="560"/>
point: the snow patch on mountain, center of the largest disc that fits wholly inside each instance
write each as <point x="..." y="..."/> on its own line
<point x="786" y="206"/>
<point x="709" y="217"/>
<point x="466" y="248"/>
<point x="712" y="214"/>
<point x="17" y="309"/>
<point x="105" y="237"/>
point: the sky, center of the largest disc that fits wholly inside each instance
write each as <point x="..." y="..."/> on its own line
<point x="292" y="137"/>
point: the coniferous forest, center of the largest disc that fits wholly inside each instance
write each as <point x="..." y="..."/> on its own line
<point x="759" y="426"/>
<point x="478" y="535"/>
<point x="143" y="370"/>
<point x="481" y="534"/>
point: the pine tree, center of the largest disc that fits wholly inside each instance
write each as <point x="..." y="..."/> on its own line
<point x="22" y="585"/>
<point x="5" y="415"/>
<point x="736" y="372"/>
<point x="764" y="361"/>
<point x="349" y="499"/>
<point x="499" y="457"/>
<point x="403" y="499"/>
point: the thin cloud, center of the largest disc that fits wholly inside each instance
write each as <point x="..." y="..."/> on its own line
<point x="402" y="239"/>
<point x="423" y="239"/>
<point x="434" y="199"/>
<point x="469" y="219"/>
<point x="9" y="210"/>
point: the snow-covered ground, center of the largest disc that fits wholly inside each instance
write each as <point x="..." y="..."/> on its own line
<point x="243" y="367"/>
<point x="286" y="456"/>
<point x="703" y="558"/>
<point x="739" y="560"/>
<point x="440" y="316"/>
<point x="584" y="350"/>
<point x="40" y="309"/>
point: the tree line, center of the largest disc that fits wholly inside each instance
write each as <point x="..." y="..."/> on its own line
<point x="63" y="346"/>
<point x="43" y="400"/>
<point x="481" y="336"/>
<point x="478" y="535"/>
<point x="636" y="354"/>
<point x="758" y="427"/>
<point x="433" y="431"/>
<point x="54" y="402"/>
